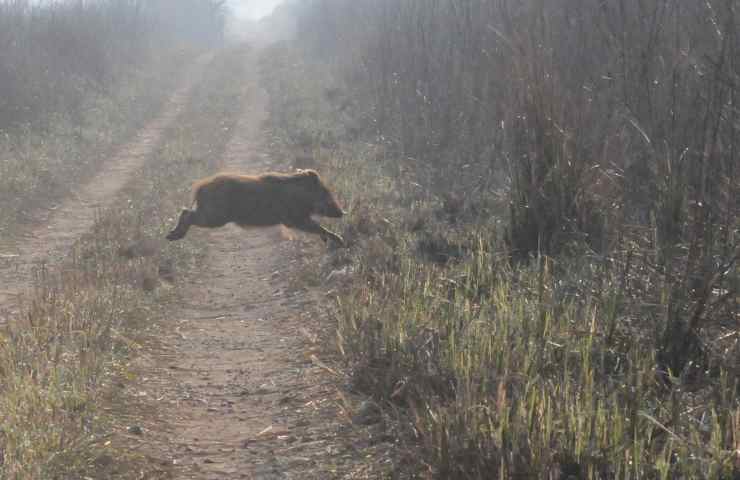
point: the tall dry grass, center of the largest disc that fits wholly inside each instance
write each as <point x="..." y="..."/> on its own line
<point x="543" y="226"/>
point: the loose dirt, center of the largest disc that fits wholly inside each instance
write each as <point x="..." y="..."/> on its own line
<point x="53" y="232"/>
<point x="248" y="397"/>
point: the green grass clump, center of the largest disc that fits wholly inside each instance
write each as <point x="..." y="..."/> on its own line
<point x="543" y="369"/>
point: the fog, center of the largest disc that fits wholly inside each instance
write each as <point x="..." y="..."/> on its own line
<point x="253" y="9"/>
<point x="253" y="21"/>
<point x="243" y="9"/>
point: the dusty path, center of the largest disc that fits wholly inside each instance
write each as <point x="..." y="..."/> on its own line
<point x="57" y="229"/>
<point x="247" y="401"/>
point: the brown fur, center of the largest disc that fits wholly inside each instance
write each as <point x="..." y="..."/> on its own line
<point x="264" y="200"/>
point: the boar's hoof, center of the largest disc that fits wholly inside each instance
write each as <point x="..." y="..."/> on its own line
<point x="174" y="235"/>
<point x="336" y="240"/>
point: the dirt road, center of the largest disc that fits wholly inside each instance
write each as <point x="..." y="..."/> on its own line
<point x="56" y="229"/>
<point x="247" y="401"/>
<point x="244" y="392"/>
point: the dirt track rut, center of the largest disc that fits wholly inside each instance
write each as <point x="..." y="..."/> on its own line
<point x="56" y="229"/>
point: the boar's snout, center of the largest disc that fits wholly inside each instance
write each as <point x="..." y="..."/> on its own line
<point x="325" y="204"/>
<point x="328" y="206"/>
<point x="332" y="210"/>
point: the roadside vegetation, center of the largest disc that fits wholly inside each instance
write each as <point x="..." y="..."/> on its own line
<point x="542" y="274"/>
<point x="73" y="402"/>
<point x="78" y="78"/>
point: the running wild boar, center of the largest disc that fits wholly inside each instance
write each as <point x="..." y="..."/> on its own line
<point x="260" y="201"/>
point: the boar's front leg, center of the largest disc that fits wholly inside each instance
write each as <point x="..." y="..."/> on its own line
<point x="310" y="226"/>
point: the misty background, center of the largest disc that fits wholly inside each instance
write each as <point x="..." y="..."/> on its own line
<point x="252" y="9"/>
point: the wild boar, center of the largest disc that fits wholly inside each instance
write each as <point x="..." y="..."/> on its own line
<point x="260" y="201"/>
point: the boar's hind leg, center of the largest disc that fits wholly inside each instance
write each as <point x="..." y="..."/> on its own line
<point x="183" y="224"/>
<point x="311" y="226"/>
<point x="208" y="216"/>
<point x="200" y="217"/>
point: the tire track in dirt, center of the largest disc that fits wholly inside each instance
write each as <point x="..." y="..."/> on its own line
<point x="56" y="229"/>
<point x="245" y="399"/>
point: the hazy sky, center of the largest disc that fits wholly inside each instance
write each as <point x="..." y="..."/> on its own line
<point x="253" y="8"/>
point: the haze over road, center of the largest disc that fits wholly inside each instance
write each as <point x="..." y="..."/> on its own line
<point x="253" y="9"/>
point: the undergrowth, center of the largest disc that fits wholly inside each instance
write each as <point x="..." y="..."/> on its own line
<point x="508" y="333"/>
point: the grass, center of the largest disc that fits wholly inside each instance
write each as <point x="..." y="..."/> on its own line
<point x="576" y="364"/>
<point x="40" y="165"/>
<point x="79" y="78"/>
<point x="67" y="362"/>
